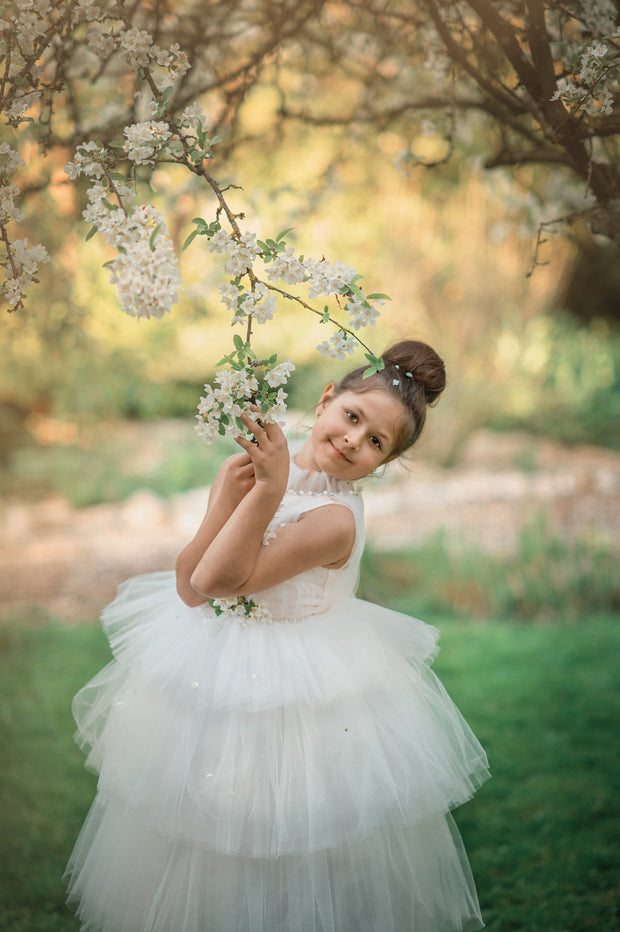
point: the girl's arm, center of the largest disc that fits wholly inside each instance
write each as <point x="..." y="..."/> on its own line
<point x="235" y="562"/>
<point x="234" y="480"/>
<point x="229" y="558"/>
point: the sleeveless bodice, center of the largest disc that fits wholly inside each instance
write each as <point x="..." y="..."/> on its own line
<point x="317" y="589"/>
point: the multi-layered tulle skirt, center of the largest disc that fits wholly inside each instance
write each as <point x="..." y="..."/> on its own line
<point x="284" y="777"/>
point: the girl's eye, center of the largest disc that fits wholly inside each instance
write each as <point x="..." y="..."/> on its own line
<point x="376" y="441"/>
<point x="352" y="416"/>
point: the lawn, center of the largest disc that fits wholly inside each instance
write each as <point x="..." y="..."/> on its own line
<point x="542" y="834"/>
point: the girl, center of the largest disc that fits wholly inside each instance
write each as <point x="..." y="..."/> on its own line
<point x="275" y="755"/>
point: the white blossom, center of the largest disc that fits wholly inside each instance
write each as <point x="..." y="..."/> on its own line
<point x="338" y="345"/>
<point x="230" y="295"/>
<point x="23" y="269"/>
<point x="136" y="45"/>
<point x="245" y="609"/>
<point x="87" y="161"/>
<point x="260" y="304"/>
<point x="8" y="210"/>
<point x="144" y="140"/>
<point x="101" y="43"/>
<point x="21" y="103"/>
<point x="145" y="270"/>
<point x="599" y="16"/>
<point x="279" y="374"/>
<point x="361" y="313"/>
<point x="221" y="242"/>
<point x="244" y="251"/>
<point x="286" y="266"/>
<point x="89" y="9"/>
<point x="266" y="309"/>
<point x="326" y="279"/>
<point x="193" y="115"/>
<point x="9" y="159"/>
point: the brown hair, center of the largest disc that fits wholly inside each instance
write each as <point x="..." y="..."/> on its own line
<point x="414" y="374"/>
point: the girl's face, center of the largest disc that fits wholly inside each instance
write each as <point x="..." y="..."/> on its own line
<point x="354" y="433"/>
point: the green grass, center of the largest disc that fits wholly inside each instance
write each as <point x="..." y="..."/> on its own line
<point x="541" y="835"/>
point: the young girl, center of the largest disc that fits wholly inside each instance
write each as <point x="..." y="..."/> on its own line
<point x="275" y="755"/>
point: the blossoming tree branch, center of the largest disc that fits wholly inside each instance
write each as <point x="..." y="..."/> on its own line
<point x="145" y="268"/>
<point x="541" y="79"/>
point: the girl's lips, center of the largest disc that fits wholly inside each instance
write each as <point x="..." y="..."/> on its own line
<point x="339" y="453"/>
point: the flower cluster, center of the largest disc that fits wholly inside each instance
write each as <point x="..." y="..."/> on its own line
<point x="235" y="391"/>
<point x="282" y="264"/>
<point x="326" y="279"/>
<point x="145" y="269"/>
<point x="22" y="268"/>
<point x="21" y="261"/>
<point x="247" y="610"/>
<point x="338" y="346"/>
<point x="259" y="303"/>
<point x="587" y="90"/>
<point x="144" y="140"/>
<point x="139" y="50"/>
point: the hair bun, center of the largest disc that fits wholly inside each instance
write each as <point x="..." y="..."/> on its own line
<point x="418" y="361"/>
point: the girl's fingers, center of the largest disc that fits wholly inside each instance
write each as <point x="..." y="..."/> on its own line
<point x="257" y="429"/>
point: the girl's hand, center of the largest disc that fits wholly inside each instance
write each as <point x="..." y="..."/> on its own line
<point x="269" y="455"/>
<point x="238" y="478"/>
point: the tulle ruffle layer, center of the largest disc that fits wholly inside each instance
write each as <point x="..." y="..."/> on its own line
<point x="274" y="739"/>
<point x="291" y="777"/>
<point x="390" y="880"/>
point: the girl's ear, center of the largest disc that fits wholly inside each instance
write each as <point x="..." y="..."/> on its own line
<point x="328" y="393"/>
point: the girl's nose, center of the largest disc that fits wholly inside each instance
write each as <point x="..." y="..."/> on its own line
<point x="352" y="439"/>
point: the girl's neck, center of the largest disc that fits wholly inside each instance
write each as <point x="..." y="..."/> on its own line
<point x="304" y="457"/>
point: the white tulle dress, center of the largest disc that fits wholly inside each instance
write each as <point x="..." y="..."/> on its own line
<point x="286" y="776"/>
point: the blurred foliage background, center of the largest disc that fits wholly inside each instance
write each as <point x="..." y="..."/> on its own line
<point x="451" y="247"/>
<point x="316" y="106"/>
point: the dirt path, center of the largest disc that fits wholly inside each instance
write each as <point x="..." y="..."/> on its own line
<point x="68" y="562"/>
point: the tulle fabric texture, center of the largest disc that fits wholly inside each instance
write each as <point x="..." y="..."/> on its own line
<point x="286" y="777"/>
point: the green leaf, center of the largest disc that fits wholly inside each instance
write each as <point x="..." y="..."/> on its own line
<point x="189" y="239"/>
<point x="283" y="234"/>
<point x="378" y="297"/>
<point x="214" y="141"/>
<point x="117" y="144"/>
<point x="90" y="233"/>
<point x="376" y="365"/>
<point x="221" y="430"/>
<point x="239" y="423"/>
<point x="153" y="237"/>
<point x="238" y="342"/>
<point x="325" y="317"/>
